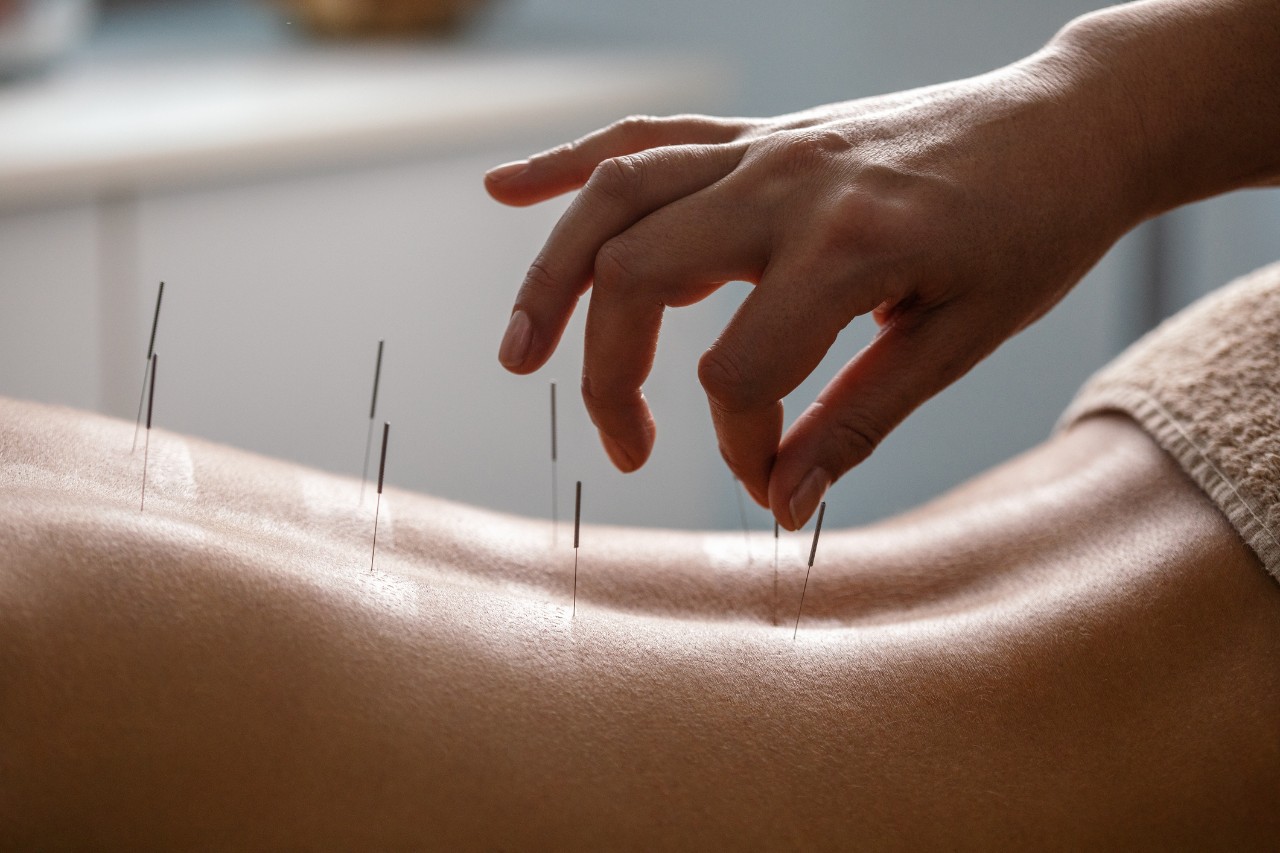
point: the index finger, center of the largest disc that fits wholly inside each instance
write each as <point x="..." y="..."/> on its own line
<point x="620" y="192"/>
<point x="569" y="166"/>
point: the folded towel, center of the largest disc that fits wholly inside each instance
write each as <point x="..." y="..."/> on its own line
<point x="1206" y="385"/>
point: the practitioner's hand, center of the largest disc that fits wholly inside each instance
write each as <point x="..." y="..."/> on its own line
<point x="955" y="214"/>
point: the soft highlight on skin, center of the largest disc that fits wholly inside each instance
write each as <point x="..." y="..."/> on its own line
<point x="1074" y="649"/>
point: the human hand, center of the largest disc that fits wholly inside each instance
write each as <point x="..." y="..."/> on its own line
<point x="956" y="215"/>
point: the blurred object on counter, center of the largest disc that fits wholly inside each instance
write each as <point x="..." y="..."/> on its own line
<point x="34" y="33"/>
<point x="379" y="17"/>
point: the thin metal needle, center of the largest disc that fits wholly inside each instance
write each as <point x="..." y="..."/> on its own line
<point x="382" y="470"/>
<point x="151" y="350"/>
<point x="577" y="521"/>
<point x="555" y="509"/>
<point x="373" y="410"/>
<point x="146" y="452"/>
<point x="813" y="549"/>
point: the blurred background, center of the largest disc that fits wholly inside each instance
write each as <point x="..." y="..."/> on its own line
<point x="306" y="177"/>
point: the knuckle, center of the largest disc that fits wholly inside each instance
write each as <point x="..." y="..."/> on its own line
<point x="860" y="226"/>
<point x="722" y="376"/>
<point x="856" y="436"/>
<point x="842" y="236"/>
<point x="616" y="266"/>
<point x="618" y="179"/>
<point x="540" y="285"/>
<point x="804" y="149"/>
<point x="603" y="398"/>
<point x="634" y="128"/>
<point x="723" y="129"/>
<point x="739" y="466"/>
<point x="818" y="142"/>
<point x="562" y="150"/>
<point x="568" y="156"/>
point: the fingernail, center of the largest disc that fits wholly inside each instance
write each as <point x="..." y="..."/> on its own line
<point x="506" y="170"/>
<point x="515" y="343"/>
<point x="804" y="500"/>
<point x="617" y="453"/>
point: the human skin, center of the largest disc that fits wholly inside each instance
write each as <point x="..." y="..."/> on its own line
<point x="1072" y="651"/>
<point x="956" y="214"/>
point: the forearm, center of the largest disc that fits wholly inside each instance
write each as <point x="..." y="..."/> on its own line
<point x="1200" y="80"/>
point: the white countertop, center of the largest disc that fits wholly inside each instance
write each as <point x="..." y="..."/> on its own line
<point x="125" y="124"/>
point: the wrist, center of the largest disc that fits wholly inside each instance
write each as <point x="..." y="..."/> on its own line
<point x="1093" y="150"/>
<point x="1108" y="116"/>
<point x="1185" y="93"/>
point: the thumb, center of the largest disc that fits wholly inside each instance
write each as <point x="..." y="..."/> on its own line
<point x="910" y="360"/>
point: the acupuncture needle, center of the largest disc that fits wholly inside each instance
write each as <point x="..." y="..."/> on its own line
<point x="813" y="549"/>
<point x="151" y="349"/>
<point x="146" y="451"/>
<point x="577" y="521"/>
<point x="555" y="510"/>
<point x="382" y="470"/>
<point x="373" y="410"/>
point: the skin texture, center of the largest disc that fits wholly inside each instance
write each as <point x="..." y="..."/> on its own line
<point x="957" y="214"/>
<point x="1073" y="651"/>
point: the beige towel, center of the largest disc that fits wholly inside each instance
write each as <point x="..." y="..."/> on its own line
<point x="1206" y="386"/>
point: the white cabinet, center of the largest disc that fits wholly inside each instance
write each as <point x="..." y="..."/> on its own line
<point x="49" y="306"/>
<point x="300" y="209"/>
<point x="278" y="292"/>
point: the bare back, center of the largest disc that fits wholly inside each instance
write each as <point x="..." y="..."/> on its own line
<point x="1074" y="649"/>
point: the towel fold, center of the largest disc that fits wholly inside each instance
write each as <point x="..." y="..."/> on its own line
<point x="1206" y="385"/>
